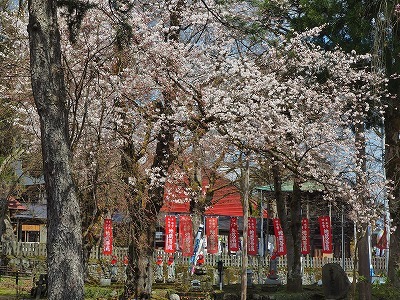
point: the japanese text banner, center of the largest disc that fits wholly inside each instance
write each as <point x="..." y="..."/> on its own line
<point x="280" y="238"/>
<point x="170" y="234"/>
<point x="325" y="229"/>
<point x="186" y="235"/>
<point x="107" y="237"/>
<point x="305" y="237"/>
<point x="252" y="238"/>
<point x="212" y="235"/>
<point x="233" y="239"/>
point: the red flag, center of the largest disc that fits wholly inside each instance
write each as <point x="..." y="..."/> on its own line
<point x="107" y="237"/>
<point x="383" y="242"/>
<point x="186" y="235"/>
<point x="170" y="234"/>
<point x="252" y="238"/>
<point x="233" y="238"/>
<point x="212" y="235"/>
<point x="280" y="238"/>
<point x="325" y="229"/>
<point x="305" y="237"/>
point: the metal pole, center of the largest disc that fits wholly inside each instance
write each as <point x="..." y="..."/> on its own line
<point x="369" y="232"/>
<point x="267" y="229"/>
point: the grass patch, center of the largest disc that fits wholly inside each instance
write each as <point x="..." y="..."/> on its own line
<point x="8" y="286"/>
<point x="102" y="292"/>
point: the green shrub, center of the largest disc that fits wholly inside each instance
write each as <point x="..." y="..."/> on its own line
<point x="385" y="291"/>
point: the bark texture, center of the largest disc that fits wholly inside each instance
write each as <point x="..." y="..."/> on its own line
<point x="245" y="262"/>
<point x="144" y="205"/>
<point x="392" y="165"/>
<point x="64" y="237"/>
<point x="364" y="285"/>
<point x="291" y="226"/>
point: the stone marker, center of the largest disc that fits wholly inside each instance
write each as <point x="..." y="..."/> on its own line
<point x="335" y="282"/>
<point x="195" y="284"/>
<point x="174" y="297"/>
<point x="272" y="277"/>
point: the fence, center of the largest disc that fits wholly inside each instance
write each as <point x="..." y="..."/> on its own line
<point x="19" y="249"/>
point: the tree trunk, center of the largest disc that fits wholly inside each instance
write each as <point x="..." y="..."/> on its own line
<point x="294" y="280"/>
<point x="144" y="213"/>
<point x="87" y="249"/>
<point x="91" y="226"/>
<point x="140" y="266"/>
<point x="292" y="230"/>
<point x="64" y="235"/>
<point x="3" y="210"/>
<point x="245" y="230"/>
<point x="90" y="240"/>
<point x="364" y="284"/>
<point x="392" y="166"/>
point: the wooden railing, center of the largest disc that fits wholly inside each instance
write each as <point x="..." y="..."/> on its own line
<point x="19" y="249"/>
<point x="310" y="263"/>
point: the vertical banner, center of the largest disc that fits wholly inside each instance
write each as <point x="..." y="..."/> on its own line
<point x="107" y="237"/>
<point x="280" y="238"/>
<point x="233" y="238"/>
<point x="186" y="235"/>
<point x="382" y="241"/>
<point x="252" y="238"/>
<point x="170" y="234"/>
<point x="325" y="229"/>
<point x="212" y="235"/>
<point x="305" y="237"/>
<point x="198" y="244"/>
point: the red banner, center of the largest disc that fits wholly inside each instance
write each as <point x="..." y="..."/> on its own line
<point x="252" y="238"/>
<point x="186" y="235"/>
<point x="383" y="242"/>
<point x="170" y="234"/>
<point x="325" y="229"/>
<point x="280" y="238"/>
<point x="107" y="237"/>
<point x="233" y="238"/>
<point x="305" y="237"/>
<point x="212" y="235"/>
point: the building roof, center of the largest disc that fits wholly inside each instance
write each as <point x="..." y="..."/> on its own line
<point x="25" y="179"/>
<point x="14" y="204"/>
<point x="34" y="211"/>
<point x="227" y="200"/>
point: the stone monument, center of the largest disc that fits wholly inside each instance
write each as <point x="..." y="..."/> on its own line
<point x="272" y="277"/>
<point x="335" y="282"/>
<point x="171" y="269"/>
<point x="159" y="269"/>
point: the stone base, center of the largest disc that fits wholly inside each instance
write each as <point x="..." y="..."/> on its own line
<point x="269" y="281"/>
<point x="200" y="271"/>
<point x="105" y="281"/>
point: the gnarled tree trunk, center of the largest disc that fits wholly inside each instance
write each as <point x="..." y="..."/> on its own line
<point x="144" y="213"/>
<point x="64" y="235"/>
<point x="292" y="229"/>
